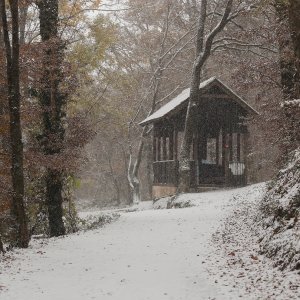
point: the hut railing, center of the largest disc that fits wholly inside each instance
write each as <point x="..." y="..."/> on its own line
<point x="237" y="174"/>
<point x="166" y="172"/>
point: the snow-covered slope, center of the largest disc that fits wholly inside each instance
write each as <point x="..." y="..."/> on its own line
<point x="237" y="260"/>
<point x="280" y="213"/>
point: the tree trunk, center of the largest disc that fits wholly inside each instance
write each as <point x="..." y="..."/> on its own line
<point x="294" y="111"/>
<point x="133" y="170"/>
<point x="289" y="49"/>
<point x="287" y="58"/>
<point x="294" y="20"/>
<point x="23" y="19"/>
<point x="1" y="246"/>
<point x="203" y="51"/>
<point x="16" y="144"/>
<point x="184" y="156"/>
<point x="52" y="101"/>
<point x="54" y="186"/>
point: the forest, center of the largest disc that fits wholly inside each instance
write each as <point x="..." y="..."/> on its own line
<point x="80" y="77"/>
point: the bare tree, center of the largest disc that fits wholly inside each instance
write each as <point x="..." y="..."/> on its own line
<point x="204" y="43"/>
<point x="167" y="54"/>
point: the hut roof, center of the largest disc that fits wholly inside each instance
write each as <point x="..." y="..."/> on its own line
<point x="182" y="98"/>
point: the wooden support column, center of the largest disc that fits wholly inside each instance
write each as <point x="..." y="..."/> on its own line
<point x="158" y="148"/>
<point x="226" y="163"/>
<point x="230" y="144"/>
<point x="217" y="149"/>
<point x="224" y="145"/>
<point x="175" y="144"/>
<point x="238" y="145"/>
<point x="246" y="149"/>
<point x="154" y="148"/>
<point x="171" y="146"/>
<point x="164" y="147"/>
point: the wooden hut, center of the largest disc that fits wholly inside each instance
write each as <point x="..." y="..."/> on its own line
<point x="220" y="138"/>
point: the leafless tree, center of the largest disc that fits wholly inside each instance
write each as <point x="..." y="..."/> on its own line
<point x="204" y="46"/>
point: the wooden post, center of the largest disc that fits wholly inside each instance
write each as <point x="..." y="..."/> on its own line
<point x="246" y="149"/>
<point x="223" y="147"/>
<point x="175" y="144"/>
<point x="217" y="150"/>
<point x="164" y="147"/>
<point x="171" y="146"/>
<point x="230" y="144"/>
<point x="238" y="145"/>
<point x="154" y="148"/>
<point x="159" y="148"/>
<point x="227" y="157"/>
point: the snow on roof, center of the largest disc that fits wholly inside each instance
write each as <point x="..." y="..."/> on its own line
<point x="185" y="94"/>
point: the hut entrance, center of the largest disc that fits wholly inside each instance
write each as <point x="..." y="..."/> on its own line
<point x="221" y="159"/>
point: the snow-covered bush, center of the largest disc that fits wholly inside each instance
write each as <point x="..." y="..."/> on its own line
<point x="279" y="215"/>
<point x="95" y="221"/>
<point x="172" y="202"/>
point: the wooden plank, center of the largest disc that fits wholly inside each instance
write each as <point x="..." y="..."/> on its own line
<point x="238" y="138"/>
<point x="175" y="144"/>
<point x="226" y="166"/>
<point x="164" y="147"/>
<point x="223" y="146"/>
<point x="171" y="146"/>
<point x="154" y="148"/>
<point x="230" y="144"/>
<point x="246" y="149"/>
<point x="217" y="149"/>
<point x="159" y="148"/>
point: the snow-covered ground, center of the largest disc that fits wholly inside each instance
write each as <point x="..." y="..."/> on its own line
<point x="145" y="254"/>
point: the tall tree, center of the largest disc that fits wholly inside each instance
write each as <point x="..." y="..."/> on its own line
<point x="52" y="101"/>
<point x="292" y="109"/>
<point x="288" y="13"/>
<point x="204" y="45"/>
<point x="16" y="144"/>
<point x="294" y="21"/>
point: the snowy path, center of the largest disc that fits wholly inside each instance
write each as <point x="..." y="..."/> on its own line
<point x="152" y="254"/>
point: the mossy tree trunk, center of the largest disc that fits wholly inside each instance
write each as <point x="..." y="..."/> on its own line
<point x="288" y="14"/>
<point x="52" y="101"/>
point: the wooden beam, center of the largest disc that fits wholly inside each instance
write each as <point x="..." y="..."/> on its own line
<point x="159" y="148"/>
<point x="175" y="144"/>
<point x="154" y="148"/>
<point x="246" y="149"/>
<point x="238" y="145"/>
<point x="164" y="147"/>
<point x="226" y="162"/>
<point x="224" y="145"/>
<point x="230" y="144"/>
<point x="217" y="149"/>
<point x="171" y="146"/>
